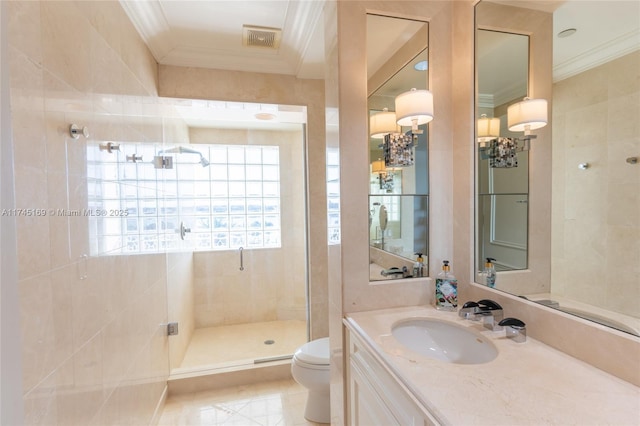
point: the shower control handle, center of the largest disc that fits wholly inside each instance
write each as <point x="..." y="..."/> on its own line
<point x="76" y="131"/>
<point x="183" y="230"/>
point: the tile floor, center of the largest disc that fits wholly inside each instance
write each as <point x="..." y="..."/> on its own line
<point x="270" y="403"/>
<point x="240" y="344"/>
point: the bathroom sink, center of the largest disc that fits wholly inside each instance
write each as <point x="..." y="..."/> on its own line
<point x="444" y="341"/>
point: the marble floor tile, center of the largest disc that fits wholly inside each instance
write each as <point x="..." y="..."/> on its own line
<point x="268" y="403"/>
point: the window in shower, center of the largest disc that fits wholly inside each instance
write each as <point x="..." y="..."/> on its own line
<point x="230" y="200"/>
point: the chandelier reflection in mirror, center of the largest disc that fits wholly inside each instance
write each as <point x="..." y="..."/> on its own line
<point x="385" y="177"/>
<point x="524" y="116"/>
<point x="398" y="149"/>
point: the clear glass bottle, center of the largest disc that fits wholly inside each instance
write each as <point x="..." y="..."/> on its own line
<point x="418" y="267"/>
<point x="490" y="273"/>
<point x="446" y="289"/>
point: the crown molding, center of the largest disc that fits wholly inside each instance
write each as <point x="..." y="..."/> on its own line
<point x="613" y="49"/>
<point x="149" y="20"/>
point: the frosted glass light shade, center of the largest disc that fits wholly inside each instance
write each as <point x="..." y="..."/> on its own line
<point x="414" y="107"/>
<point x="529" y="114"/>
<point x="377" y="166"/>
<point x="382" y="123"/>
<point x="488" y="128"/>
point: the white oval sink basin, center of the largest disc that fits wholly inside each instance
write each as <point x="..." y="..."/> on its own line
<point x="444" y="341"/>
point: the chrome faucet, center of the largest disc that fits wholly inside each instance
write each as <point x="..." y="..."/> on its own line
<point x="488" y="311"/>
<point x="515" y="329"/>
<point x="395" y="272"/>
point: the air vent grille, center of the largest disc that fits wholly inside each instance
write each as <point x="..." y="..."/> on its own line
<point x="253" y="36"/>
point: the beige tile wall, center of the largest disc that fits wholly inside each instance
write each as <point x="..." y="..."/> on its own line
<point x="181" y="299"/>
<point x="272" y="284"/>
<point x="200" y="83"/>
<point x="93" y="348"/>
<point x="595" y="227"/>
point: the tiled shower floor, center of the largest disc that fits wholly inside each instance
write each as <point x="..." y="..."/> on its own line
<point x="240" y="344"/>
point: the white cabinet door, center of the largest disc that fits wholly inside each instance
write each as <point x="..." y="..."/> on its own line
<point x="367" y="408"/>
<point x="375" y="396"/>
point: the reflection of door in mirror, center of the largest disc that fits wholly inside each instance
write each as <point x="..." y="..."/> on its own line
<point x="397" y="61"/>
<point x="595" y="214"/>
<point x="502" y="199"/>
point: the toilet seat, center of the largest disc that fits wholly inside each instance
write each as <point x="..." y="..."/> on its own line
<point x="314" y="354"/>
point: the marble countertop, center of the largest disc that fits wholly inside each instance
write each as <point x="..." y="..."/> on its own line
<point x="527" y="384"/>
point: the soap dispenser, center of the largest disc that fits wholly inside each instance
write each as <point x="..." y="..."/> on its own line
<point x="490" y="272"/>
<point x="446" y="289"/>
<point x="418" y="267"/>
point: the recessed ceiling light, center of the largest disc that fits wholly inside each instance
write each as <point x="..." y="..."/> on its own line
<point x="566" y="33"/>
<point x="421" y="66"/>
<point x="264" y="116"/>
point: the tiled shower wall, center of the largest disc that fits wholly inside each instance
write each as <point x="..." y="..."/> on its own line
<point x="596" y="237"/>
<point x="272" y="284"/>
<point x="202" y="83"/>
<point x="92" y="345"/>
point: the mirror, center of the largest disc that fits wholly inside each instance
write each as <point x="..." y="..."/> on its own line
<point x="595" y="161"/>
<point x="502" y="176"/>
<point x="397" y="61"/>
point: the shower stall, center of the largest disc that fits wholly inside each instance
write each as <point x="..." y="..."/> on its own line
<point x="249" y="261"/>
<point x="226" y="206"/>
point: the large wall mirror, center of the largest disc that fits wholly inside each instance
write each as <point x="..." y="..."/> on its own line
<point x="503" y="173"/>
<point x="594" y="248"/>
<point x="397" y="62"/>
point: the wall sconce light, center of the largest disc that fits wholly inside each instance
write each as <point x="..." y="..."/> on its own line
<point x="385" y="179"/>
<point x="488" y="129"/>
<point x="378" y="166"/>
<point x="398" y="149"/>
<point x="414" y="108"/>
<point x="526" y="115"/>
<point x="382" y="123"/>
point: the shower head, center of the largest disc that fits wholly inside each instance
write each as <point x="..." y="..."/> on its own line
<point x="182" y="150"/>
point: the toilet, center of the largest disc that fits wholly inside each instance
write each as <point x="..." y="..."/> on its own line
<point x="310" y="368"/>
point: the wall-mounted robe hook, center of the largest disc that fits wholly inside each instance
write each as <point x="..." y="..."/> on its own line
<point x="134" y="158"/>
<point x="584" y="166"/>
<point x="632" y="160"/>
<point x="75" y="131"/>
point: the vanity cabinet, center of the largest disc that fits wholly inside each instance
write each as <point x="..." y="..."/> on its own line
<point x="375" y="396"/>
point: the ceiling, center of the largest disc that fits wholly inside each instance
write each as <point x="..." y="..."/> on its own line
<point x="209" y="33"/>
<point x="605" y="30"/>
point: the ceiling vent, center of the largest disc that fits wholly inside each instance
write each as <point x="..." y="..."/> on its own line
<point x="253" y="36"/>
